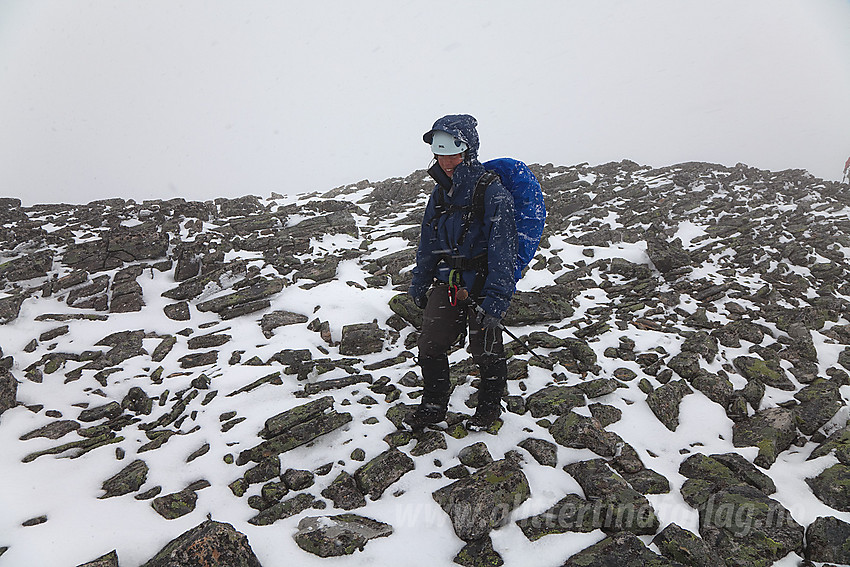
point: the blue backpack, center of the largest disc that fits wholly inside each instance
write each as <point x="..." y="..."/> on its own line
<point x="529" y="209"/>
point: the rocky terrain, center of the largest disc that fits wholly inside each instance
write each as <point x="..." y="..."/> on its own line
<point x="241" y="366"/>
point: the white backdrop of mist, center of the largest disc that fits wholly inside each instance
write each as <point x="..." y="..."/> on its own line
<point x="203" y="99"/>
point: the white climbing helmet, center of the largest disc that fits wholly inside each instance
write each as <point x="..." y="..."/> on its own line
<point x="444" y="144"/>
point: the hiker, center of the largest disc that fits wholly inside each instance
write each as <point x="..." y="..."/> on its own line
<point x="464" y="260"/>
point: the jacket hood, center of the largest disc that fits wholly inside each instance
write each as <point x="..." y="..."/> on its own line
<point x="462" y="127"/>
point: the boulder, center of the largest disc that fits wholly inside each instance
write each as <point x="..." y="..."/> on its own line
<point x="484" y="500"/>
<point x="832" y="487"/>
<point x="619" y="507"/>
<point x="579" y="432"/>
<point x="108" y="560"/>
<point x="361" y="338"/>
<point x="210" y="544"/>
<point x="334" y="536"/>
<point x="128" y="480"/>
<point x="827" y="541"/>
<point x="623" y="549"/>
<point x="380" y="473"/>
<point x="745" y="527"/>
<point x="685" y="547"/>
<point x="664" y="402"/>
<point x="772" y="430"/>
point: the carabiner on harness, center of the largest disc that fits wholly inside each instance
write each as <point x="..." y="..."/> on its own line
<point x="457" y="293"/>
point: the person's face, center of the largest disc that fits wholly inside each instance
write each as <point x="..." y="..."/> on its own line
<point x="449" y="163"/>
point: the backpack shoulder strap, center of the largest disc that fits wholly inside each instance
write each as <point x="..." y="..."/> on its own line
<point x="484" y="181"/>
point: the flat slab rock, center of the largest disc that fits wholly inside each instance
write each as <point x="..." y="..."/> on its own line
<point x="334" y="536"/>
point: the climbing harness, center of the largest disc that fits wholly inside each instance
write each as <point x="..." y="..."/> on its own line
<point x="457" y="293"/>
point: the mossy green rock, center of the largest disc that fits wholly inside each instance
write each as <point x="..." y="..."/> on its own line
<point x="686" y="547"/>
<point x="380" y="473"/>
<point x="554" y="400"/>
<point x="128" y="480"/>
<point x="479" y="553"/>
<point x="828" y="541"/>
<point x="767" y="372"/>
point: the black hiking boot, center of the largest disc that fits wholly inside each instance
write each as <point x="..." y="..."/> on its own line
<point x="493" y="380"/>
<point x="435" y="394"/>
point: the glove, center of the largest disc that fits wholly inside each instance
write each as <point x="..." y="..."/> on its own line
<point x="420" y="301"/>
<point x="489" y="322"/>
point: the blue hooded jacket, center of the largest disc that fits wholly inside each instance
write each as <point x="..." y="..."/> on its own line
<point x="442" y="235"/>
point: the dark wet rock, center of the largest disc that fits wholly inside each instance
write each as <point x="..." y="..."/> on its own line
<point x="623" y="550"/>
<point x="163" y="348"/>
<point x="621" y="508"/>
<point x="128" y="480"/>
<point x="544" y="452"/>
<point x="8" y="391"/>
<point x="667" y="256"/>
<point x="127" y="294"/>
<point x="685" y="547"/>
<point x="832" y="487"/>
<point x="361" y="338"/>
<point x="383" y="471"/>
<point x="177" y="311"/>
<point x="334" y="536"/>
<point x="484" y="500"/>
<point x="827" y="541"/>
<point x="772" y="430"/>
<point x="108" y="560"/>
<point x="137" y="401"/>
<point x="664" y="402"/>
<point x="745" y="527"/>
<point x="211" y="544"/>
<point x="579" y="432"/>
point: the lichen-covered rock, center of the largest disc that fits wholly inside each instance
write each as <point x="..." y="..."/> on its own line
<point x="570" y="514"/>
<point x="283" y="509"/>
<point x="531" y="307"/>
<point x="108" y="560"/>
<point x="344" y="492"/>
<point x="828" y="540"/>
<point x="479" y="553"/>
<point x="819" y="402"/>
<point x="745" y="527"/>
<point x="297" y="434"/>
<point x="839" y="442"/>
<point x="544" y="452"/>
<point x="475" y="456"/>
<point x="767" y="372"/>
<point x="361" y="338"/>
<point x="484" y="500"/>
<point x="708" y="474"/>
<point x="128" y="480"/>
<point x="210" y="544"/>
<point x="685" y="547"/>
<point x="579" y="432"/>
<point x="664" y="402"/>
<point x="621" y="508"/>
<point x="832" y="487"/>
<point x="383" y="471"/>
<point x="623" y="549"/>
<point x="275" y="319"/>
<point x="554" y="400"/>
<point x="772" y="430"/>
<point x="176" y="505"/>
<point x="333" y="536"/>
<point x="10" y="306"/>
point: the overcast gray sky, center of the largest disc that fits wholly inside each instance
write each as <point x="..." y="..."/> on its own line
<point x="202" y="99"/>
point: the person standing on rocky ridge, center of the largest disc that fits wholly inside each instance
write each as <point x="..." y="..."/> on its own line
<point x="464" y="274"/>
